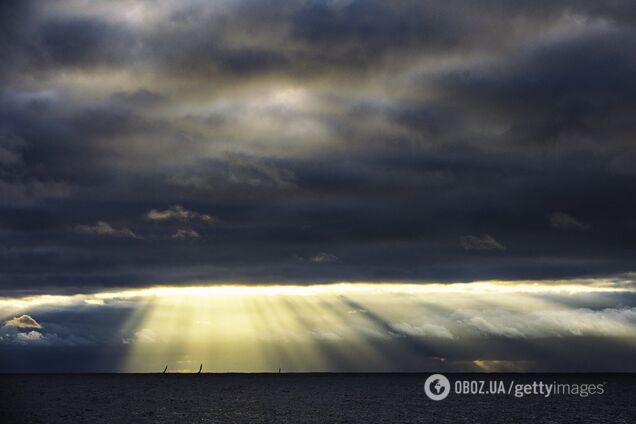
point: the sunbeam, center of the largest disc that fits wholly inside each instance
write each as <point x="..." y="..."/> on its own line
<point x="486" y="326"/>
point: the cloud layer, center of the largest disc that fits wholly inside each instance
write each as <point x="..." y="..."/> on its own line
<point x="179" y="141"/>
<point x="533" y="326"/>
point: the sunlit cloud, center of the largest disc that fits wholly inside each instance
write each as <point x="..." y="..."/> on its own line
<point x="179" y="213"/>
<point x="23" y="321"/>
<point x="102" y="228"/>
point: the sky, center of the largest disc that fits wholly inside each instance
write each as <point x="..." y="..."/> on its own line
<point x="302" y="143"/>
<point x="554" y="326"/>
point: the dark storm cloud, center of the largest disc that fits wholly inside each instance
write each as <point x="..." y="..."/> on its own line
<point x="392" y="136"/>
<point x="577" y="91"/>
<point x="83" y="42"/>
<point x="359" y="34"/>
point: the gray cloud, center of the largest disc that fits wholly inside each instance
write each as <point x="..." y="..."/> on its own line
<point x="103" y="228"/>
<point x="424" y="330"/>
<point x="566" y="323"/>
<point x="563" y="221"/>
<point x="179" y="213"/>
<point x="145" y="336"/>
<point x="30" y="337"/>
<point x="182" y="234"/>
<point x="382" y="132"/>
<point x="323" y="258"/>
<point x="485" y="242"/>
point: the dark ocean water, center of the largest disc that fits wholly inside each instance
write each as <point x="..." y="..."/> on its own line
<point x="305" y="398"/>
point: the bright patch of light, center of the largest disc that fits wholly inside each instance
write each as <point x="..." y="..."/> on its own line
<point x="306" y="327"/>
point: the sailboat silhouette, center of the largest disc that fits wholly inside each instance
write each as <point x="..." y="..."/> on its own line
<point x="200" y="368"/>
<point x="165" y="369"/>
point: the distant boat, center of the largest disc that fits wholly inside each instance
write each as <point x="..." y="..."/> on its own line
<point x="279" y="370"/>
<point x="200" y="368"/>
<point x="165" y="369"/>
